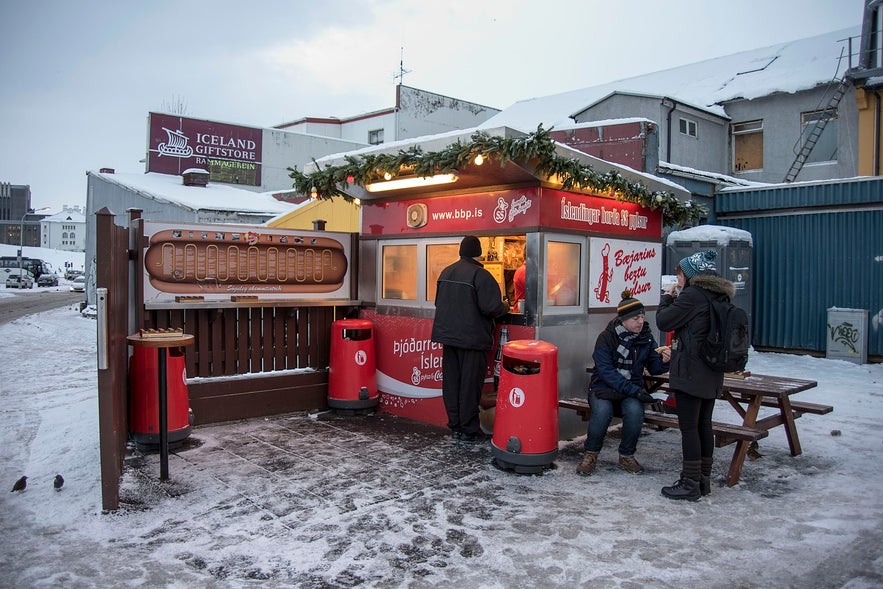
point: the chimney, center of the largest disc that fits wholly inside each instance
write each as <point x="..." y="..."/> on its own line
<point x="319" y="224"/>
<point x="195" y="177"/>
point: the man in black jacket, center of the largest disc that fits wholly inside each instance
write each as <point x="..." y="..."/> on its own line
<point x="467" y="301"/>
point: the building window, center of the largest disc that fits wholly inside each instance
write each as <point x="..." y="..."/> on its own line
<point x="375" y="137"/>
<point x="689" y="127"/>
<point x="825" y="148"/>
<point x="748" y="146"/>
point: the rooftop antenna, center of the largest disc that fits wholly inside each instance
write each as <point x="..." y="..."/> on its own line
<point x="402" y="71"/>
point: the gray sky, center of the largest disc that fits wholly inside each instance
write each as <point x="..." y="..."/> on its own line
<point x="80" y="77"/>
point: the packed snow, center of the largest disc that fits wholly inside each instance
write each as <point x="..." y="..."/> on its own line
<point x="323" y="501"/>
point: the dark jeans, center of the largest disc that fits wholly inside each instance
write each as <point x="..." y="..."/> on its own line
<point x="632" y="412"/>
<point x="463" y="374"/>
<point x="694" y="421"/>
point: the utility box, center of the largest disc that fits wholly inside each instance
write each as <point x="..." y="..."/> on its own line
<point x="733" y="247"/>
<point x="847" y="335"/>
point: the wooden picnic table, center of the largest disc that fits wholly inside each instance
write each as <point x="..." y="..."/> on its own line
<point x="746" y="394"/>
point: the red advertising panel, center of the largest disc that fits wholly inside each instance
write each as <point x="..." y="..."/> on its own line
<point x="510" y="209"/>
<point x="569" y="210"/>
<point x="230" y="153"/>
<point x="409" y="365"/>
<point x="505" y="209"/>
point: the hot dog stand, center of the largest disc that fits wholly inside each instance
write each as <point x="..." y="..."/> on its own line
<point x="582" y="247"/>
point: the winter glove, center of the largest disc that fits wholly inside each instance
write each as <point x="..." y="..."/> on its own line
<point x="645" y="397"/>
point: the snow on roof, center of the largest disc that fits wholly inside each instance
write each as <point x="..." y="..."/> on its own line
<point x="214" y="197"/>
<point x="686" y="171"/>
<point x="717" y="233"/>
<point x="65" y="216"/>
<point x="786" y="67"/>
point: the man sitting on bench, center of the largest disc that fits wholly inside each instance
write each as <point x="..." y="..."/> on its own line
<point x="622" y="352"/>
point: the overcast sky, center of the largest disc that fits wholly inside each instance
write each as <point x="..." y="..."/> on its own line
<point x="80" y="77"/>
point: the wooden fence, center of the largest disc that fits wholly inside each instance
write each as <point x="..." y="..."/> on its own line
<point x="248" y="359"/>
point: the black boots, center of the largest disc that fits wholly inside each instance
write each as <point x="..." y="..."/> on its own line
<point x="704" y="485"/>
<point x="705" y="476"/>
<point x="687" y="487"/>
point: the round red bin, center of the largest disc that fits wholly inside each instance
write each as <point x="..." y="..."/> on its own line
<point x="352" y="376"/>
<point x="144" y="397"/>
<point x="526" y="423"/>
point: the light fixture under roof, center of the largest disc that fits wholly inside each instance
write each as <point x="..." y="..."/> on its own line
<point x="412" y="182"/>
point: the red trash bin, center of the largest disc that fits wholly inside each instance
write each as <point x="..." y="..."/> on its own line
<point x="526" y="423"/>
<point x="352" y="376"/>
<point x="144" y="397"/>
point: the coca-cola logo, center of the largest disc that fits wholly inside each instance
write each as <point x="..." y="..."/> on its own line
<point x="417" y="377"/>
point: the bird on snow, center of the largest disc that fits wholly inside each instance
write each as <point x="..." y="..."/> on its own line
<point x="20" y="484"/>
<point x="59" y="481"/>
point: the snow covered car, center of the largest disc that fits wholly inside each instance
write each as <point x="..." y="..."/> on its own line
<point x="47" y="280"/>
<point x="78" y="284"/>
<point x="13" y="281"/>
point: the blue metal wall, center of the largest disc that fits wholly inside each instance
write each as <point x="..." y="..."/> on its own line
<point x="816" y="246"/>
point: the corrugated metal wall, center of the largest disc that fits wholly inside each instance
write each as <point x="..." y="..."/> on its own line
<point x="816" y="246"/>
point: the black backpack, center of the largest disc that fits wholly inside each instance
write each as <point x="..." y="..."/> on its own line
<point x="726" y="347"/>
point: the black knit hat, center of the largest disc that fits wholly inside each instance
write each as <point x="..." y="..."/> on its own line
<point x="628" y="307"/>
<point x="470" y="247"/>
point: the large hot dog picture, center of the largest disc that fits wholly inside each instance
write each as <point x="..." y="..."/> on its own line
<point x="197" y="261"/>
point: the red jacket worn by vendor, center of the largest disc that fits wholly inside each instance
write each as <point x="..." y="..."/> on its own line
<point x="467" y="301"/>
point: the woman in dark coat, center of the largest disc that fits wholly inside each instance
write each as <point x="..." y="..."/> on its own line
<point x="684" y="309"/>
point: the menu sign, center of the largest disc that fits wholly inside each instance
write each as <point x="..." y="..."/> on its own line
<point x="229" y="153"/>
<point x="616" y="265"/>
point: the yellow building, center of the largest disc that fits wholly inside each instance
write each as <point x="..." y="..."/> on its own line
<point x="338" y="215"/>
<point x="868" y="81"/>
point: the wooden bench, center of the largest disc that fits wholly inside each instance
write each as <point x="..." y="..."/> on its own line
<point x="796" y="406"/>
<point x="724" y="433"/>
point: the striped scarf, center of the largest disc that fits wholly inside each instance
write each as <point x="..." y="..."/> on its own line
<point x="624" y="362"/>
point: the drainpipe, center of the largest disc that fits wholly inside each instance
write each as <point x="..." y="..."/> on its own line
<point x="877" y="133"/>
<point x="670" y="104"/>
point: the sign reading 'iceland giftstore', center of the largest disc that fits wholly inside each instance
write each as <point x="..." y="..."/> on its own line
<point x="230" y="153"/>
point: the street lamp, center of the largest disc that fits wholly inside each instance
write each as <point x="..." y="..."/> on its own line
<point x="21" y="240"/>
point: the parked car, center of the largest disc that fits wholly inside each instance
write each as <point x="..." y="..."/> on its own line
<point x="71" y="274"/>
<point x="78" y="284"/>
<point x="16" y="281"/>
<point x="47" y="280"/>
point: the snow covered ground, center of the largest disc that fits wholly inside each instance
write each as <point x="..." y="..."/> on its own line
<point x="323" y="501"/>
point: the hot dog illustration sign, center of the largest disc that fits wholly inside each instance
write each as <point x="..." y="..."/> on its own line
<point x="220" y="261"/>
<point x="616" y="264"/>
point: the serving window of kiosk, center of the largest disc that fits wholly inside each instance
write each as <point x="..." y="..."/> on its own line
<point x="563" y="283"/>
<point x="409" y="269"/>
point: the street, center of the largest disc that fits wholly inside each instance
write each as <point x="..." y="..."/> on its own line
<point x="27" y="303"/>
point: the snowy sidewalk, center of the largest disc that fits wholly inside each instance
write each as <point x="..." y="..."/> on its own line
<point x="381" y="501"/>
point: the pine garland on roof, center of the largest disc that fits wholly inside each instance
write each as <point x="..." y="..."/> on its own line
<point x="538" y="147"/>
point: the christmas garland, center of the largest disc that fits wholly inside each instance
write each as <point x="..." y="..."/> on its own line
<point x="538" y="147"/>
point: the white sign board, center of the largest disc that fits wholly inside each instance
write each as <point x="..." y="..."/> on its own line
<point x="617" y="264"/>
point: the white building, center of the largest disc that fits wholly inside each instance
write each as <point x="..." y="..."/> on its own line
<point x="65" y="230"/>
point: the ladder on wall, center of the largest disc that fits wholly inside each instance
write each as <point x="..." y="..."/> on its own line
<point x="815" y="131"/>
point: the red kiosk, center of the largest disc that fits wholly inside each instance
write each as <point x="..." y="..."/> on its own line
<point x="582" y="247"/>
